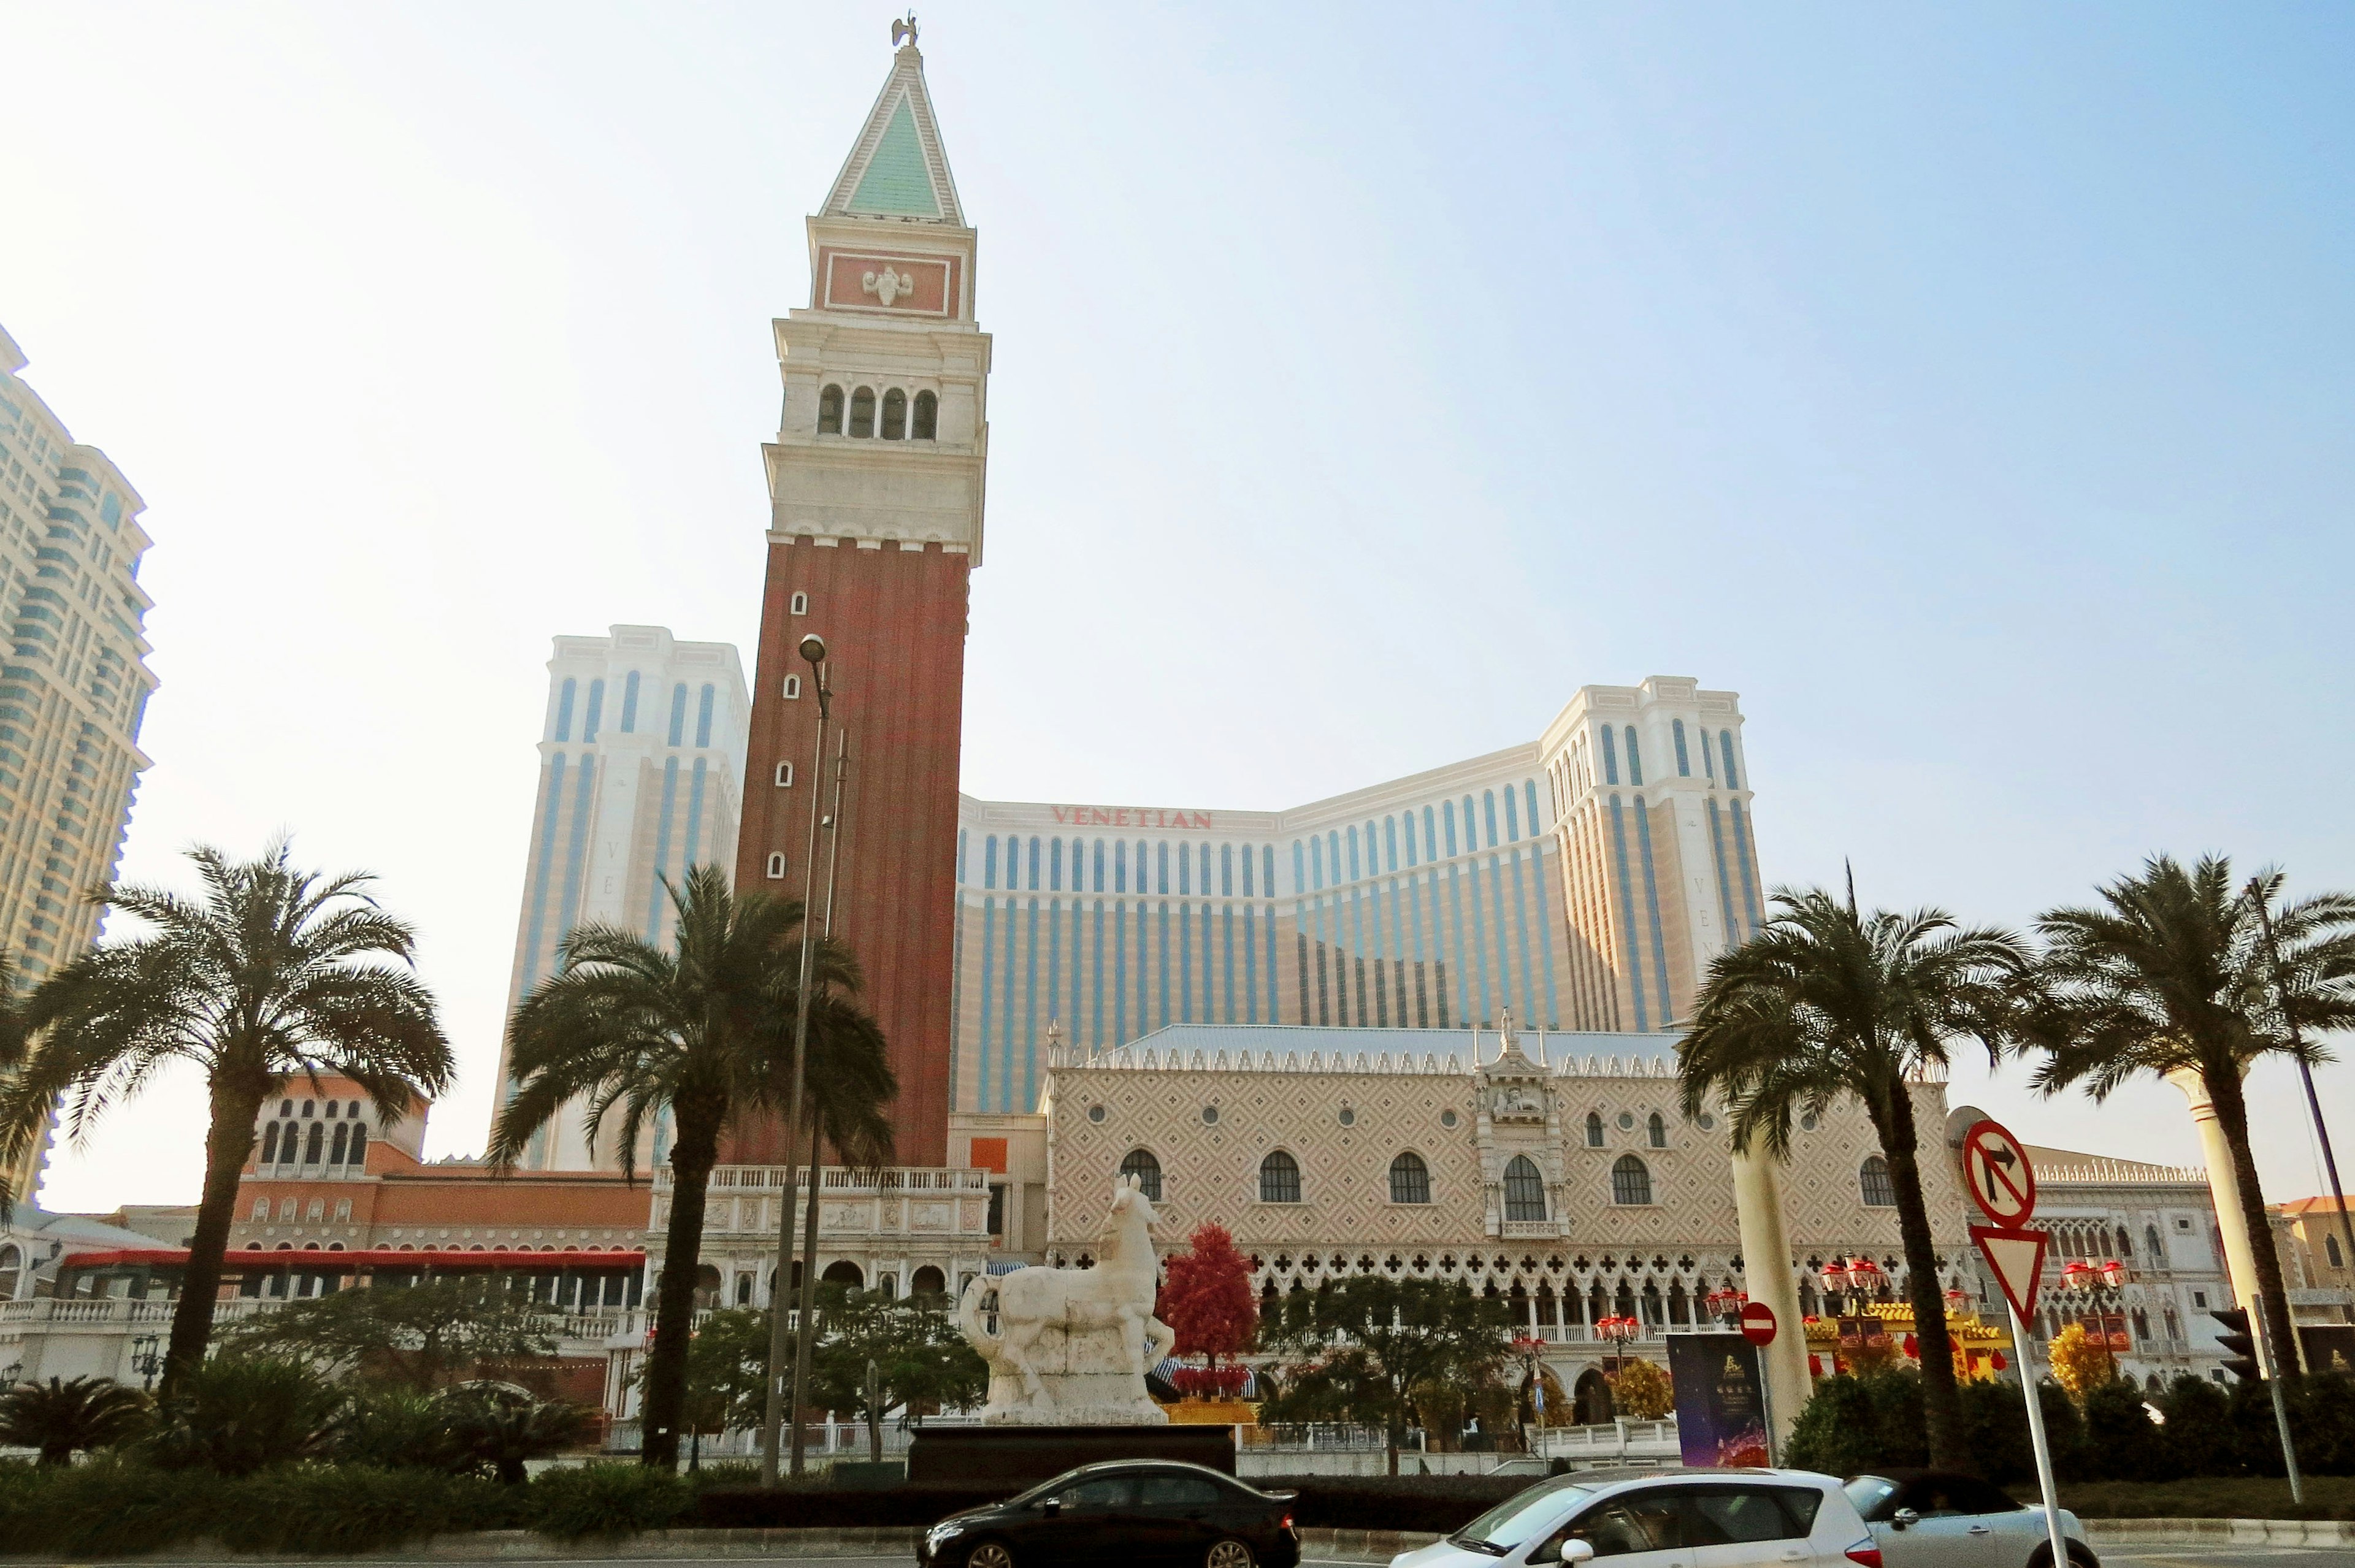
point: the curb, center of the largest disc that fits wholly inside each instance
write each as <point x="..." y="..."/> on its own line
<point x="2320" y="1532"/>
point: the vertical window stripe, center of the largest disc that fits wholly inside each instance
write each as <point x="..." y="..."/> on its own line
<point x="1725" y="741"/>
<point x="678" y="712"/>
<point x="596" y="714"/>
<point x="630" y="704"/>
<point x="1652" y="905"/>
<point x="1628" y="903"/>
<point x="694" y="815"/>
<point x="1684" y="763"/>
<point x="1610" y="758"/>
<point x="551" y="803"/>
<point x="662" y="849"/>
<point x="1545" y="934"/>
<point x="1724" y="888"/>
<point x="988" y="980"/>
<point x="1741" y="858"/>
<point x="703" y="715"/>
<point x="1634" y="759"/>
<point x="564" y="697"/>
<point x="576" y="844"/>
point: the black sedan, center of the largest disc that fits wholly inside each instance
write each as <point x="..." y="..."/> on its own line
<point x="1130" y="1512"/>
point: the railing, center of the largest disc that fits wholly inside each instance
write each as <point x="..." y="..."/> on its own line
<point x="1326" y="1437"/>
<point x="121" y="1314"/>
<point x="838" y="1179"/>
<point x="1626" y="1439"/>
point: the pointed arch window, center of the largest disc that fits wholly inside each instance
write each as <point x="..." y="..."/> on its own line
<point x="269" y="1144"/>
<point x="1631" y="1181"/>
<point x="1524" y="1189"/>
<point x="925" y="425"/>
<point x="2157" y="1249"/>
<point x="1593" y="1129"/>
<point x="862" y="413"/>
<point x="1880" y="1191"/>
<point x="829" y="412"/>
<point x="1410" y="1180"/>
<point x="1279" y="1178"/>
<point x="895" y="415"/>
<point x="358" y="1155"/>
<point x="316" y="1144"/>
<point x="1142" y="1164"/>
<point x="343" y="1142"/>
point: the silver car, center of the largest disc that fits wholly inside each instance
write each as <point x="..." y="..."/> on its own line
<point x="1938" y="1519"/>
<point x="1670" y="1519"/>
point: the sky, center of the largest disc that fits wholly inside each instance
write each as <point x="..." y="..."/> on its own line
<point x="1969" y="391"/>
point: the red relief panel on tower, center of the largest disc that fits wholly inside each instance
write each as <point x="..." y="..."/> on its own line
<point x="894" y="624"/>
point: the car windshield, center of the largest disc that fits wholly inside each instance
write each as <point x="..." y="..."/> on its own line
<point x="1522" y="1517"/>
<point x="1867" y="1493"/>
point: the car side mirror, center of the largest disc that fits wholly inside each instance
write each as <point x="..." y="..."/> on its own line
<point x="1906" y="1519"/>
<point x="1051" y="1507"/>
<point x="1577" y="1551"/>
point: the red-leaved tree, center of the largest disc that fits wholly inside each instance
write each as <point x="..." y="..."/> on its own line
<point x="1207" y="1297"/>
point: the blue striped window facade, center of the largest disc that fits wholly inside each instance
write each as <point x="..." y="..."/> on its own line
<point x="1684" y="762"/>
<point x="596" y="712"/>
<point x="565" y="697"/>
<point x="678" y="713"/>
<point x="630" y="704"/>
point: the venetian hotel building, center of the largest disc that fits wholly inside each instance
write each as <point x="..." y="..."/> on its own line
<point x="1579" y="881"/>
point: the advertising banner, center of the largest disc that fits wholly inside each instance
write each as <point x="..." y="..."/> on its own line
<point x="1720" y="1408"/>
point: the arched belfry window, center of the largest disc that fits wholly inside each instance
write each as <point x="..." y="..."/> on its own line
<point x="829" y="412"/>
<point x="1410" y="1180"/>
<point x="1279" y="1178"/>
<point x="1631" y="1180"/>
<point x="1879" y="1191"/>
<point x="1593" y="1129"/>
<point x="862" y="412"/>
<point x="269" y="1145"/>
<point x="927" y="421"/>
<point x="1524" y="1189"/>
<point x="895" y="415"/>
<point x="1141" y="1164"/>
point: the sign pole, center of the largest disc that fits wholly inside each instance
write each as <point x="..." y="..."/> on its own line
<point x="2019" y="1344"/>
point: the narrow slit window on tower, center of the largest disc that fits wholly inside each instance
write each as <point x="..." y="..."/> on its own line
<point x="862" y="412"/>
<point x="799" y="604"/>
<point x="784" y="775"/>
<point x="793" y="689"/>
<point x="777" y="864"/>
<point x="895" y="415"/>
<point x="927" y="417"/>
<point x="829" y="412"/>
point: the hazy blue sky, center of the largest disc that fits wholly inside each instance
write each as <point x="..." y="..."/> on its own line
<point x="1970" y="391"/>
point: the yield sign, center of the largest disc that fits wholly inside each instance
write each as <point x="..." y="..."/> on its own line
<point x="1996" y="1174"/>
<point x="2016" y="1258"/>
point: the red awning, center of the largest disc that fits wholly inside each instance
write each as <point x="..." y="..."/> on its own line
<point x="371" y="1258"/>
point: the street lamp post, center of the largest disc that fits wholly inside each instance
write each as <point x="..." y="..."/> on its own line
<point x="1618" y="1331"/>
<point x="145" y="1359"/>
<point x="1529" y="1349"/>
<point x="812" y="650"/>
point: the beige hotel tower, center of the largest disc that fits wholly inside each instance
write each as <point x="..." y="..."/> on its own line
<point x="73" y="686"/>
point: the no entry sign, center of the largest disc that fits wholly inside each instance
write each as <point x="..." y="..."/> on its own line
<point x="1998" y="1175"/>
<point x="1758" y="1323"/>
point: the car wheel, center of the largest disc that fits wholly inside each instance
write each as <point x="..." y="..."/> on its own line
<point x="2079" y="1556"/>
<point x="1227" y="1553"/>
<point x="989" y="1555"/>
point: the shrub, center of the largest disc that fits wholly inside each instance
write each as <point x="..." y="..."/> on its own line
<point x="2122" y="1442"/>
<point x="63" y="1417"/>
<point x="608" y="1501"/>
<point x="238" y="1415"/>
<point x="1641" y="1392"/>
<point x="498" y="1428"/>
<point x="1855" y="1423"/>
<point x="394" y="1429"/>
<point x="344" y="1508"/>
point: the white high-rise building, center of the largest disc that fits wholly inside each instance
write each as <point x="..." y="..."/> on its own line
<point x="641" y="771"/>
<point x="73" y="686"/>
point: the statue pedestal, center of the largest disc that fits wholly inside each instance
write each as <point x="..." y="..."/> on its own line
<point x="1087" y="1381"/>
<point x="1019" y="1457"/>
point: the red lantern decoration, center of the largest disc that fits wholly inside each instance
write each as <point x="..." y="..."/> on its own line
<point x="1912" y="1347"/>
<point x="1997" y="1361"/>
<point x="2115" y="1273"/>
<point x="2077" y="1274"/>
<point x="1815" y="1366"/>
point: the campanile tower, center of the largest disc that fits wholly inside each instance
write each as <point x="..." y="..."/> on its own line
<point x="875" y="490"/>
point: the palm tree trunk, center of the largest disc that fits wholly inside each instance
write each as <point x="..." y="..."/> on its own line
<point x="1941" y="1401"/>
<point x="228" y="1140"/>
<point x="2224" y="1093"/>
<point x="690" y="1164"/>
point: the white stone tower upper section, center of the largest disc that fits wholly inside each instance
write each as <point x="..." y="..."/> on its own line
<point x="885" y="434"/>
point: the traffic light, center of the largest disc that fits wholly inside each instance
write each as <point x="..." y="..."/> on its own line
<point x="2240" y="1343"/>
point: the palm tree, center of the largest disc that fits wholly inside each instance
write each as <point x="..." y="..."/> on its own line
<point x="1824" y="1003"/>
<point x="273" y="972"/>
<point x="703" y="1032"/>
<point x="2169" y="974"/>
<point x="62" y="1418"/>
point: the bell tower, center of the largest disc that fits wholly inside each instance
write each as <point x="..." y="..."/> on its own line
<point x="875" y="490"/>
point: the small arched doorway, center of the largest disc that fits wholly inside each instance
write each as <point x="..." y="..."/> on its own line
<point x="1593" y="1399"/>
<point x="843" y="1272"/>
<point x="928" y="1281"/>
<point x="707" y="1287"/>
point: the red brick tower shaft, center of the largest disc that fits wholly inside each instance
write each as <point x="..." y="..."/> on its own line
<point x="875" y="483"/>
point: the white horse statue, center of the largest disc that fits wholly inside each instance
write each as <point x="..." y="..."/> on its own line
<point x="1071" y="1345"/>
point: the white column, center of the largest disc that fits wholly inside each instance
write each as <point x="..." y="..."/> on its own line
<point x="1768" y="1277"/>
<point x="2225" y="1190"/>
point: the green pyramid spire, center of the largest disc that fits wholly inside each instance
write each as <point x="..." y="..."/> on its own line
<point x="896" y="183"/>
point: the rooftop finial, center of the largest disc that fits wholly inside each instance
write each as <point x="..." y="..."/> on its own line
<point x="903" y="30"/>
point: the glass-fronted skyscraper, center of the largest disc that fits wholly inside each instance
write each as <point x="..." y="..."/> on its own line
<point x="1581" y="881"/>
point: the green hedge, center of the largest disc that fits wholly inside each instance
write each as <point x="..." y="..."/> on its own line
<point x="1855" y="1423"/>
<point x="1437" y="1503"/>
<point x="114" y="1506"/>
<point x="2211" y="1497"/>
